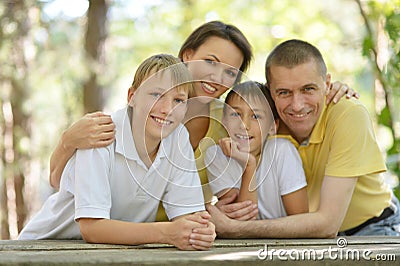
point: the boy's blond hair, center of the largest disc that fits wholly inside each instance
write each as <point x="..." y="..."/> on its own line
<point x="164" y="63"/>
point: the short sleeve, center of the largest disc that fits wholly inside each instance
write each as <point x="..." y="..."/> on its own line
<point x="354" y="150"/>
<point x="288" y="165"/>
<point x="92" y="186"/>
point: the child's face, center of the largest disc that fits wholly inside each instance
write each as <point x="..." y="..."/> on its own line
<point x="247" y="123"/>
<point x="158" y="106"/>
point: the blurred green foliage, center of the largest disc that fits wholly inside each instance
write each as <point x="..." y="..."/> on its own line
<point x="382" y="21"/>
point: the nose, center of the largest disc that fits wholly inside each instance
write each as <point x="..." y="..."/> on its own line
<point x="245" y="123"/>
<point x="165" y="105"/>
<point x="297" y="102"/>
<point x="217" y="75"/>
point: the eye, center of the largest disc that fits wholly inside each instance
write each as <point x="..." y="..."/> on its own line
<point x="256" y="116"/>
<point x="231" y="73"/>
<point x="179" y="100"/>
<point x="234" y="114"/>
<point x="211" y="62"/>
<point x="282" y="93"/>
<point x="309" y="89"/>
<point x="155" y="94"/>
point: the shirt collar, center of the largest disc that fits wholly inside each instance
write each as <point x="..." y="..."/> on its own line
<point x="124" y="142"/>
<point x="318" y="132"/>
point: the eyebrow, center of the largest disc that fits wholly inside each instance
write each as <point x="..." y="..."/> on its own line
<point x="253" y="109"/>
<point x="304" y="86"/>
<point x="215" y="57"/>
<point x="182" y="94"/>
<point x="219" y="61"/>
<point x="310" y="85"/>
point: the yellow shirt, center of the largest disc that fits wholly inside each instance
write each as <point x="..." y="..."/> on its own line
<point x="215" y="132"/>
<point x="343" y="144"/>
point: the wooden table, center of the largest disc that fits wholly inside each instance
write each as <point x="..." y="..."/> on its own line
<point x="348" y="251"/>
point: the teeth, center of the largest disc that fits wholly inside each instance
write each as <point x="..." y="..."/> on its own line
<point x="247" y="137"/>
<point x="209" y="87"/>
<point x="300" y="115"/>
<point x="162" y="121"/>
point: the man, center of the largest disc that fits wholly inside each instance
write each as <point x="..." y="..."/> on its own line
<point x="341" y="158"/>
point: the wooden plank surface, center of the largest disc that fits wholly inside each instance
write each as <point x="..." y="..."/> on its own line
<point x="349" y="251"/>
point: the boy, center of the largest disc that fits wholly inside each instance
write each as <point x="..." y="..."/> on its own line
<point x="269" y="173"/>
<point x="114" y="192"/>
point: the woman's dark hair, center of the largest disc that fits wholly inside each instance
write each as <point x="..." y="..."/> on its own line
<point x="221" y="30"/>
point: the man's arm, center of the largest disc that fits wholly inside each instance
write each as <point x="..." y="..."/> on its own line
<point x="336" y="193"/>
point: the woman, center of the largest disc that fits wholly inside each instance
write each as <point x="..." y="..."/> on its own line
<point x="213" y="43"/>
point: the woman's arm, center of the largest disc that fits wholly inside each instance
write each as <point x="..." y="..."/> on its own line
<point x="178" y="232"/>
<point x="91" y="131"/>
<point x="338" y="90"/>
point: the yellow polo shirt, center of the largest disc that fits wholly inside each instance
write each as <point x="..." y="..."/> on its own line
<point x="215" y="132"/>
<point x="343" y="144"/>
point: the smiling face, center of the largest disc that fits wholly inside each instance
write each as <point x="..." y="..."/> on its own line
<point x="247" y="123"/>
<point x="216" y="64"/>
<point x="299" y="95"/>
<point x="158" y="107"/>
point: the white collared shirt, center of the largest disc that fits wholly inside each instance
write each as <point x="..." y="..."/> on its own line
<point x="114" y="183"/>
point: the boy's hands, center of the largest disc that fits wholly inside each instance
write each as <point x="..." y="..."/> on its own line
<point x="192" y="232"/>
<point x="242" y="211"/>
<point x="231" y="149"/>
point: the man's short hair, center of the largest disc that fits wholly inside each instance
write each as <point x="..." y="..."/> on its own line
<point x="292" y="53"/>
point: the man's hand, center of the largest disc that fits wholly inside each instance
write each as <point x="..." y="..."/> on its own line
<point x="223" y="224"/>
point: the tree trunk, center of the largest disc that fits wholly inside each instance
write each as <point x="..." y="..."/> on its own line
<point x="93" y="98"/>
<point x="15" y="113"/>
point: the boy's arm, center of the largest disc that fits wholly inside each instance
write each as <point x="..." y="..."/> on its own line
<point x="296" y="202"/>
<point x="178" y="233"/>
<point x="248" y="183"/>
<point x="93" y="130"/>
<point x="248" y="186"/>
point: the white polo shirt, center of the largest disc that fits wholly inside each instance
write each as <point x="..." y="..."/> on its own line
<point x="280" y="172"/>
<point x="114" y="183"/>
